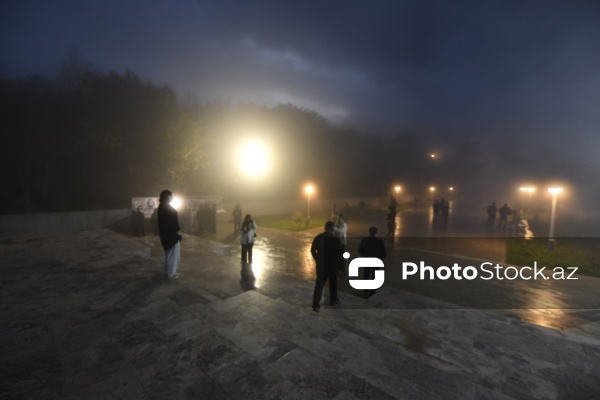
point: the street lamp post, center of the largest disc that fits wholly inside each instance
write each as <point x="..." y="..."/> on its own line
<point x="555" y="192"/>
<point x="309" y="190"/>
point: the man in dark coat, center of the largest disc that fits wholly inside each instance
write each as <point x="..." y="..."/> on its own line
<point x="371" y="246"/>
<point x="504" y="212"/>
<point x="170" y="234"/>
<point x="327" y="252"/>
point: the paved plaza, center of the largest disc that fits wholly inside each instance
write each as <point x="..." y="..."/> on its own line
<point x="89" y="315"/>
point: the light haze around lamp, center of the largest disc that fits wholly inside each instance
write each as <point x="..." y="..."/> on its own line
<point x="176" y="202"/>
<point x="529" y="190"/>
<point x="309" y="190"/>
<point x="554" y="191"/>
<point x="397" y="189"/>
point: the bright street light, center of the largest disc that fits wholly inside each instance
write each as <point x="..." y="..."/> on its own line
<point x="529" y="190"/>
<point x="254" y="159"/>
<point x="397" y="189"/>
<point x="176" y="202"/>
<point x="309" y="189"/>
<point x="555" y="191"/>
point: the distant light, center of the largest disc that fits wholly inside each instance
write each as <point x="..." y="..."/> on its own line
<point x="432" y="189"/>
<point x="527" y="189"/>
<point x="309" y="189"/>
<point x="555" y="191"/>
<point x="451" y="188"/>
<point x="254" y="159"/>
<point x="397" y="188"/>
<point x="432" y="155"/>
<point x="176" y="202"/>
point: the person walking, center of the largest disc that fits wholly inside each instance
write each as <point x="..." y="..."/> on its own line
<point x="371" y="246"/>
<point x="170" y="234"/>
<point x="327" y="253"/>
<point x="247" y="240"/>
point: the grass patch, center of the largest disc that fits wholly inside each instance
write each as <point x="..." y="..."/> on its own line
<point x="293" y="222"/>
<point x="583" y="253"/>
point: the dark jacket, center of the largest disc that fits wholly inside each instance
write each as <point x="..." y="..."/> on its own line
<point x="168" y="226"/>
<point x="372" y="246"/>
<point x="327" y="251"/>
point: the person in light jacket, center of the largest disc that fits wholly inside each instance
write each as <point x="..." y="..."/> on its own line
<point x="247" y="240"/>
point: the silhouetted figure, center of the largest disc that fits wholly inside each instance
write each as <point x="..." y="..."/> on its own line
<point x="371" y="246"/>
<point x="504" y="212"/>
<point x="393" y="202"/>
<point x="391" y="221"/>
<point x="237" y="218"/>
<point x="137" y="222"/>
<point x="170" y="234"/>
<point x="327" y="253"/>
<point x="491" y="212"/>
<point x="437" y="206"/>
<point x="445" y="211"/>
<point x="247" y="240"/>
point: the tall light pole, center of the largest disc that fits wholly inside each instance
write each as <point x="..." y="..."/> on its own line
<point x="309" y="189"/>
<point x="554" y="192"/>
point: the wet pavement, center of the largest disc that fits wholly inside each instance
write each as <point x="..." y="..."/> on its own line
<point x="90" y="315"/>
<point x="571" y="304"/>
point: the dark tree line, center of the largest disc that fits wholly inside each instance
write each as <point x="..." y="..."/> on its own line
<point x="92" y="140"/>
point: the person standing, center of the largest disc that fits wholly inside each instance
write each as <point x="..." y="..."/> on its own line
<point x="504" y="212"/>
<point x="327" y="253"/>
<point x="391" y="221"/>
<point x="371" y="246"/>
<point x="237" y="218"/>
<point x="247" y="240"/>
<point x="491" y="212"/>
<point x="341" y="231"/>
<point x="170" y="233"/>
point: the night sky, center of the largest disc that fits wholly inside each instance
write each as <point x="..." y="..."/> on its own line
<point x="520" y="72"/>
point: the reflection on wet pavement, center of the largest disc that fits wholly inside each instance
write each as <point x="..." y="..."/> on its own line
<point x="543" y="303"/>
<point x="278" y="251"/>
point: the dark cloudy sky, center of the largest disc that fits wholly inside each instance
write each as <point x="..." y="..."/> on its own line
<point x="480" y="68"/>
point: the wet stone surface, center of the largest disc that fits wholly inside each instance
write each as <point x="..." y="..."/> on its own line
<point x="90" y="315"/>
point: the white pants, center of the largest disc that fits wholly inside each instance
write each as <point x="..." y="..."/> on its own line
<point x="172" y="260"/>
